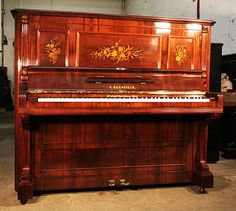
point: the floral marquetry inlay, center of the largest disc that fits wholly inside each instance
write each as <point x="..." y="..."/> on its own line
<point x="53" y="50"/>
<point x="181" y="54"/>
<point x="119" y="53"/>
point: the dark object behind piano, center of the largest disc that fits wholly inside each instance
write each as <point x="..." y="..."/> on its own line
<point x="228" y="126"/>
<point x="5" y="93"/>
<point x="215" y="69"/>
<point x="228" y="120"/>
<point x="229" y="67"/>
<point x="215" y="86"/>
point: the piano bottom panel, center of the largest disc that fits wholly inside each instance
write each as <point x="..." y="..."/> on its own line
<point x="100" y="181"/>
<point x="94" y="151"/>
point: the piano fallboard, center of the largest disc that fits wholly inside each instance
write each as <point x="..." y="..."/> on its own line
<point x="127" y="79"/>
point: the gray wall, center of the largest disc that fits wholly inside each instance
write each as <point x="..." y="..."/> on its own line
<point x="223" y="12"/>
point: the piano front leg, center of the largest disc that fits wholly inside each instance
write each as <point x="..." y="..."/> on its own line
<point x="202" y="175"/>
<point x="24" y="184"/>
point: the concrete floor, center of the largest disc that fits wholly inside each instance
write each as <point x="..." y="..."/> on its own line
<point x="221" y="197"/>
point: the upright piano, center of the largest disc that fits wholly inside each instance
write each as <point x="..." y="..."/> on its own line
<point x="109" y="101"/>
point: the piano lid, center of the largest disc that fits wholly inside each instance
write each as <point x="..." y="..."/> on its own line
<point x="21" y="11"/>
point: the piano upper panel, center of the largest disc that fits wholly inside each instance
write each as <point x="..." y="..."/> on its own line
<point x="121" y="43"/>
<point x="64" y="39"/>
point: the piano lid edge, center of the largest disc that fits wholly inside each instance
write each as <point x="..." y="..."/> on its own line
<point x="110" y="69"/>
<point x="17" y="11"/>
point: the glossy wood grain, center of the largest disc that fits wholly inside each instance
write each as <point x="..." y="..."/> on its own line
<point x="119" y="146"/>
<point x="75" y="145"/>
<point x="146" y="79"/>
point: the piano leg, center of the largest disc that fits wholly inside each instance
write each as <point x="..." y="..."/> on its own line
<point x="203" y="177"/>
<point x="25" y="188"/>
<point x="24" y="183"/>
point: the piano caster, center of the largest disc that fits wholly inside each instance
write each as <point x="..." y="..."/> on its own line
<point x="23" y="201"/>
<point x="202" y="190"/>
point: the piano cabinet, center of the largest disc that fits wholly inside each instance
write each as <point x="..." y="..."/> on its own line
<point x="111" y="101"/>
<point x="88" y="151"/>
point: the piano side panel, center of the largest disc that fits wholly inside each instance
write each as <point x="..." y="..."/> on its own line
<point x="82" y="152"/>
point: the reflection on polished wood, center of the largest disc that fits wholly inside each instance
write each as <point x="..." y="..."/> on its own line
<point x="229" y="99"/>
<point x="111" y="101"/>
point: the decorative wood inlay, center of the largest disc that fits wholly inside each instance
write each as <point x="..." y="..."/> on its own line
<point x="204" y="75"/>
<point x="25" y="19"/>
<point x="118" y="53"/>
<point x="53" y="50"/>
<point x="25" y="175"/>
<point x="204" y="29"/>
<point x="24" y="72"/>
<point x="181" y="54"/>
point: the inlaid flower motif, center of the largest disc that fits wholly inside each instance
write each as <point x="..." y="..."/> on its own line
<point x="181" y="54"/>
<point x="119" y="53"/>
<point x="53" y="50"/>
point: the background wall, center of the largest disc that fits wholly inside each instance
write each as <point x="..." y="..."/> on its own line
<point x="223" y="12"/>
<point x="98" y="6"/>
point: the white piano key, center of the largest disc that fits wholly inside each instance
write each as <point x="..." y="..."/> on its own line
<point x="123" y="100"/>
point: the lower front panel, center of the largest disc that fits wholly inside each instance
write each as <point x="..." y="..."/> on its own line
<point x="73" y="152"/>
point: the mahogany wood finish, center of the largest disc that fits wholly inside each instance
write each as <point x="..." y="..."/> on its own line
<point x="74" y="145"/>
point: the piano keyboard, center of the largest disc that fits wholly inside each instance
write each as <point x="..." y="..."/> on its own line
<point x="190" y="99"/>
